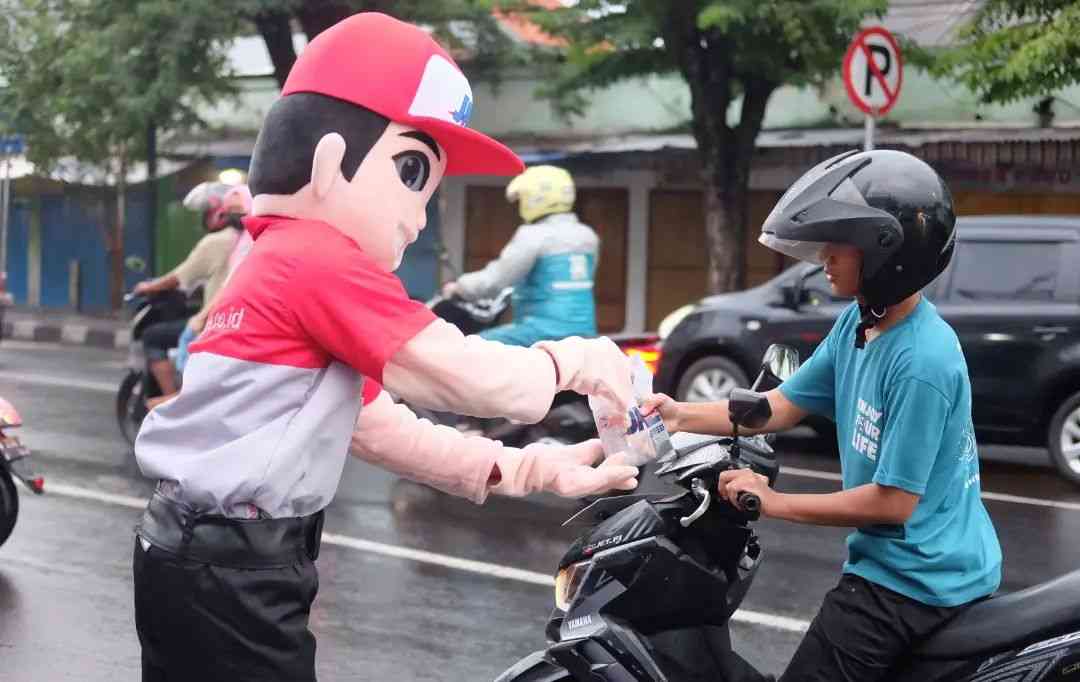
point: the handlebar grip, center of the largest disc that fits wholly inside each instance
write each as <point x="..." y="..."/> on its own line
<point x="749" y="502"/>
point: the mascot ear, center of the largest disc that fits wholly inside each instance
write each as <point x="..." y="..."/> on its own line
<point x="326" y="164"/>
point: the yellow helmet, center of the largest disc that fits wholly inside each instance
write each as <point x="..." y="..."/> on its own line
<point x="541" y="191"/>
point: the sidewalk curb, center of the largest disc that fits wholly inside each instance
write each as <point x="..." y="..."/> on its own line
<point x="72" y="334"/>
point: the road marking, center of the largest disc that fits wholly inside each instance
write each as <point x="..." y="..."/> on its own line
<point x="39" y="380"/>
<point x="520" y="575"/>
<point x="986" y="495"/>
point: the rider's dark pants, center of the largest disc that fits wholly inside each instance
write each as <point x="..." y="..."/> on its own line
<point x="161" y="336"/>
<point x="861" y="631"/>
<point x="225" y="599"/>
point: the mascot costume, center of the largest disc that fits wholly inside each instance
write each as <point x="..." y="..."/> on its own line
<point x="286" y="378"/>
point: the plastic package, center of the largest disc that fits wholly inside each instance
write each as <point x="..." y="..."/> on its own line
<point x="641" y="439"/>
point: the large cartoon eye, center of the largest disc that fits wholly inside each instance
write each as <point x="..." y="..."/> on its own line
<point x="413" y="168"/>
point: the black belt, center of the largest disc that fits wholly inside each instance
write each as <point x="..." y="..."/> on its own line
<point x="233" y="543"/>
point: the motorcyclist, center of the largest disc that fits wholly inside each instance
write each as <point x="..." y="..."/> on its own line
<point x="892" y="375"/>
<point x="238" y="204"/>
<point x="205" y="264"/>
<point x="550" y="261"/>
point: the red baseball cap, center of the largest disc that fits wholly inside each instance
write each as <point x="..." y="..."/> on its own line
<point x="398" y="71"/>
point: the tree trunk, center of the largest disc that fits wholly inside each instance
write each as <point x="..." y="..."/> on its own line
<point x="117" y="246"/>
<point x="725" y="212"/>
<point x="277" y="34"/>
<point x="318" y="15"/>
<point x="727" y="207"/>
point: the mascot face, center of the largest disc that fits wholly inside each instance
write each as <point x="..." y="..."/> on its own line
<point x="383" y="207"/>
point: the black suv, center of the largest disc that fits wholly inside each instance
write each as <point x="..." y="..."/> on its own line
<point x="1012" y="293"/>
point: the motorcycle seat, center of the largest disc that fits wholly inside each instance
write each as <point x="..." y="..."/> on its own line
<point x="1008" y="622"/>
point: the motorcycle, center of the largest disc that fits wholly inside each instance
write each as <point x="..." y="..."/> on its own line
<point x="139" y="383"/>
<point x="646" y="592"/>
<point x="14" y="464"/>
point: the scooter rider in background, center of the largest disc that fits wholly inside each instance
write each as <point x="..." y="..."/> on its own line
<point x="237" y="202"/>
<point x="550" y="261"/>
<point x="206" y="263"/>
<point x="892" y="375"/>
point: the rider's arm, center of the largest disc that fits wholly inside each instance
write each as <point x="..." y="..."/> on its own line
<point x="513" y="264"/>
<point x="864" y="505"/>
<point x="210" y="253"/>
<point x="712" y="418"/>
<point x="166" y="282"/>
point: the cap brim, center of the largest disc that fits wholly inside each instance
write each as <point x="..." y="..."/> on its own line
<point x="469" y="152"/>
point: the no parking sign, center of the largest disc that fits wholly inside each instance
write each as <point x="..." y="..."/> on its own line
<point x="873" y="74"/>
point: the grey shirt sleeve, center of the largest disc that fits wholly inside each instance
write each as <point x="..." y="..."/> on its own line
<point x="512" y="265"/>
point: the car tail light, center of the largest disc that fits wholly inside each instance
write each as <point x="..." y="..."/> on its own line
<point x="648" y="350"/>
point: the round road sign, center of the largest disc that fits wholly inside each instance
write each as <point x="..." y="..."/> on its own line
<point x="873" y="71"/>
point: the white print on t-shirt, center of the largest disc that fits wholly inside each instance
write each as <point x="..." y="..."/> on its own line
<point x="226" y="319"/>
<point x="867" y="436"/>
<point x="968" y="446"/>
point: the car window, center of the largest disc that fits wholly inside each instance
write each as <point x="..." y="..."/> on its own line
<point x="1005" y="271"/>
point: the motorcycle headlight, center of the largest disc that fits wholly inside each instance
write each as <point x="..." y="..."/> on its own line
<point x="568" y="582"/>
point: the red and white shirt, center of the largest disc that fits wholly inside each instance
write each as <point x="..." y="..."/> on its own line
<point x="272" y="390"/>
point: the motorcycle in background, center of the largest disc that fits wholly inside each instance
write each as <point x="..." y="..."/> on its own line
<point x="139" y="383"/>
<point x="14" y="464"/>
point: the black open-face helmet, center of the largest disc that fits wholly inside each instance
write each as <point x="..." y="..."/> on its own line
<point x="890" y="205"/>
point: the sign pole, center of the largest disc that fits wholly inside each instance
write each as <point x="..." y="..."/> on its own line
<point x="868" y="137"/>
<point x="5" y="192"/>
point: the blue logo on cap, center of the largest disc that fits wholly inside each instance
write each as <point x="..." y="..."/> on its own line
<point x="464" y="111"/>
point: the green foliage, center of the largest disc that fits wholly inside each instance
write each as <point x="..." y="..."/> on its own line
<point x="774" y="41"/>
<point x="1014" y="49"/>
<point x="86" y="78"/>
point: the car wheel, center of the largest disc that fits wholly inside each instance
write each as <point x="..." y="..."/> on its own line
<point x="1064" y="439"/>
<point x="710" y="379"/>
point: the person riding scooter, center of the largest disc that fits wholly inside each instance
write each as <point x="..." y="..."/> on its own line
<point x="550" y="262"/>
<point x="891" y="374"/>
<point x="238" y="204"/>
<point x="206" y="263"/>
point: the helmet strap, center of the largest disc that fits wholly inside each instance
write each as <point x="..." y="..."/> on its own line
<point x="868" y="318"/>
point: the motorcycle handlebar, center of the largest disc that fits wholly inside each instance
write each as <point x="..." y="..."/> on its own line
<point x="749" y="502"/>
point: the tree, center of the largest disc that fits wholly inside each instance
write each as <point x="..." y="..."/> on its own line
<point x="91" y="80"/>
<point x="733" y="54"/>
<point x="460" y="25"/>
<point x="1017" y="48"/>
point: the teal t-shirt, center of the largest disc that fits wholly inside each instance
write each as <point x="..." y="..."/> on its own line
<point x="902" y="407"/>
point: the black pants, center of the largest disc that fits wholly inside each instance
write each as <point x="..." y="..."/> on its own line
<point x="161" y="336"/>
<point x="225" y="599"/>
<point x="861" y="631"/>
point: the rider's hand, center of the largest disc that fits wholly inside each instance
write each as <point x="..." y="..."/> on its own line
<point x="735" y="481"/>
<point x="668" y="408"/>
<point x="451" y="290"/>
<point x="143" y="287"/>
<point x="592" y="367"/>
<point x="565" y="470"/>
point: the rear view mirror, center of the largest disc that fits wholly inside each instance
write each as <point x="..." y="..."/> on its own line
<point x="748" y="409"/>
<point x="777" y="365"/>
<point x="135" y="264"/>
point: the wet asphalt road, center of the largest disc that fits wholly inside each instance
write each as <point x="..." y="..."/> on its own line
<point x="65" y="576"/>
